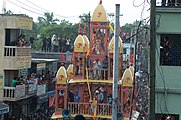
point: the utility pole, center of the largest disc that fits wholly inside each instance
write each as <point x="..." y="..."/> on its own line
<point x="4" y="7"/>
<point x="152" y="60"/>
<point x="116" y="65"/>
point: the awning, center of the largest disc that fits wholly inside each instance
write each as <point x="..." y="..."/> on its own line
<point x="91" y="81"/>
<point x="4" y="108"/>
<point x="37" y="60"/>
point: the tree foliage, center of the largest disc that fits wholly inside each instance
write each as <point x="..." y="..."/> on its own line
<point x="48" y="19"/>
<point x="85" y="19"/>
<point x="48" y="26"/>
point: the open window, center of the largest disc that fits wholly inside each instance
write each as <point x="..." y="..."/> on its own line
<point x="170" y="50"/>
<point x="11" y="36"/>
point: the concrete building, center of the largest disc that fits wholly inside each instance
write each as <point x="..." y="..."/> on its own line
<point x="168" y="61"/>
<point x="15" y="60"/>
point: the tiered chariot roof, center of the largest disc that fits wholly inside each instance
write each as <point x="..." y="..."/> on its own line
<point x="99" y="14"/>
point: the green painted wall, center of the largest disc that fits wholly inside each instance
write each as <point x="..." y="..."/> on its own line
<point x="168" y="22"/>
<point x="168" y="103"/>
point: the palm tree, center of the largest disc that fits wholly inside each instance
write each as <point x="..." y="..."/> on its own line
<point x="47" y="19"/>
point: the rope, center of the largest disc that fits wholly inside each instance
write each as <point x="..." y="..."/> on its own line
<point x="88" y="85"/>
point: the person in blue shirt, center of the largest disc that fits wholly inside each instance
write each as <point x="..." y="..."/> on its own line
<point x="76" y="97"/>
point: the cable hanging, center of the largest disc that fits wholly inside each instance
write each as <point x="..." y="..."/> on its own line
<point x="24" y="8"/>
<point x="28" y="6"/>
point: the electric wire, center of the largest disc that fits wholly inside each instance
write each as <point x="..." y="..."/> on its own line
<point x="29" y="6"/>
<point x="139" y="4"/>
<point x="54" y="13"/>
<point x="133" y="88"/>
<point x="41" y="13"/>
<point x="37" y="6"/>
<point x="141" y="19"/>
<point x="160" y="69"/>
<point x="24" y="8"/>
<point x="142" y="10"/>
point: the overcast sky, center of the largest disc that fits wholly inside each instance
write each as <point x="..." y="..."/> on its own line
<point x="71" y="9"/>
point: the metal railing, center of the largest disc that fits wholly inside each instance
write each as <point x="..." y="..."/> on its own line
<point x="18" y="92"/>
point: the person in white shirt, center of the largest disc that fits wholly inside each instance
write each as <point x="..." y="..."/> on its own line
<point x="96" y="68"/>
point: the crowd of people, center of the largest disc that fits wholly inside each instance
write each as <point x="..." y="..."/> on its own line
<point x="56" y="44"/>
<point x="32" y="79"/>
<point x="142" y="97"/>
<point x="37" y="115"/>
<point x="35" y="79"/>
<point x="48" y="44"/>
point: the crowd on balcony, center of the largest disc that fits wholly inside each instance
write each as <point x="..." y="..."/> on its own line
<point x="56" y="44"/>
<point x="35" y="79"/>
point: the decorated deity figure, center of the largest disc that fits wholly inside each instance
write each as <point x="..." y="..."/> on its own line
<point x="97" y="47"/>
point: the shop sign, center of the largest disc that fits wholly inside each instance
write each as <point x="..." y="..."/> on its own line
<point x="23" y="62"/>
<point x="41" y="66"/>
<point x="25" y="23"/>
<point x="24" y="72"/>
<point x="20" y="91"/>
<point x="41" y="89"/>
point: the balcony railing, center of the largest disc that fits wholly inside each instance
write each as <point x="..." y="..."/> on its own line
<point x="168" y="3"/>
<point x="87" y="109"/>
<point x="17" y="51"/>
<point x="17" y="57"/>
<point x="23" y="91"/>
<point x="14" y="93"/>
<point x="19" y="92"/>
